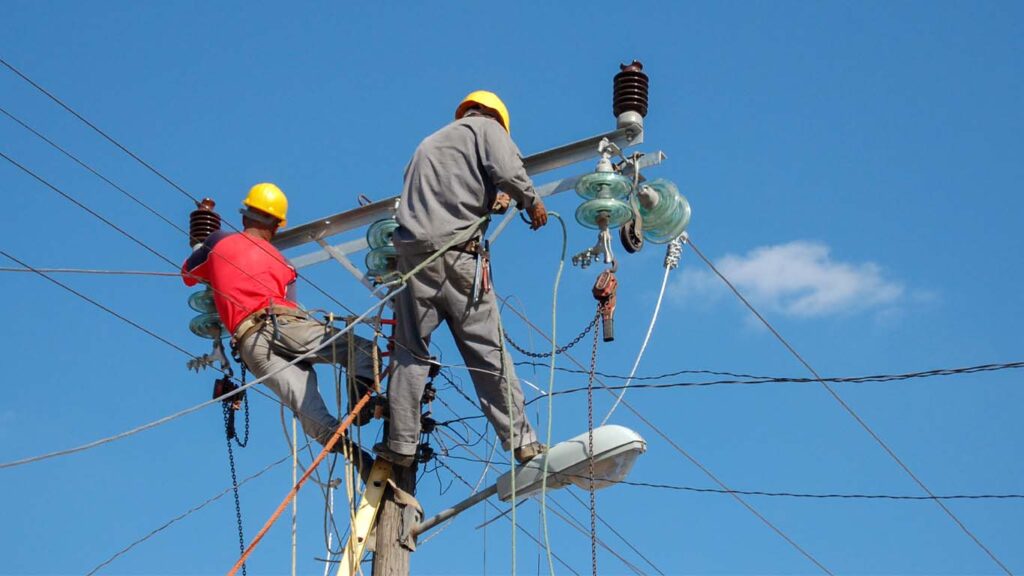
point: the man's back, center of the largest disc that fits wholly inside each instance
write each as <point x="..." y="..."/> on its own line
<point x="246" y="274"/>
<point x="452" y="181"/>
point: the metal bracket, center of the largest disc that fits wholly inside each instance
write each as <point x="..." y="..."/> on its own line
<point x="603" y="250"/>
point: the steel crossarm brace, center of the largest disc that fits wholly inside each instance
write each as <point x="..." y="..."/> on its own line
<point x="535" y="164"/>
<point x="366" y="517"/>
<point x="343" y="248"/>
<point x="358" y="244"/>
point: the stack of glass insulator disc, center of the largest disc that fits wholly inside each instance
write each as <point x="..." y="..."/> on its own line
<point x="666" y="218"/>
<point x="207" y="323"/>
<point x="605" y="193"/>
<point x="382" y="258"/>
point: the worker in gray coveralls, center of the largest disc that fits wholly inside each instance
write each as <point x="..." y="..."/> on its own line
<point x="453" y="179"/>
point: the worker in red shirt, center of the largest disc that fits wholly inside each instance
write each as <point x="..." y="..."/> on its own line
<point x="253" y="289"/>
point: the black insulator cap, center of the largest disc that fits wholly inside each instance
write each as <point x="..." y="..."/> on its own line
<point x="630" y="89"/>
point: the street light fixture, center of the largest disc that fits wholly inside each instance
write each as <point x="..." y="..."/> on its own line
<point x="616" y="449"/>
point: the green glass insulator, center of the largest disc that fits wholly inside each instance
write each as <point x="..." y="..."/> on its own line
<point x="381" y="261"/>
<point x="668" y="218"/>
<point x="603" y="185"/>
<point x="380" y="232"/>
<point x="616" y="211"/>
<point x="207" y="326"/>
<point x="202" y="301"/>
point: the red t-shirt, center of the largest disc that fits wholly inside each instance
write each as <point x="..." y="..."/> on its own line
<point x="246" y="274"/>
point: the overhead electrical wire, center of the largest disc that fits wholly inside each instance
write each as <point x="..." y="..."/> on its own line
<point x="519" y="527"/>
<point x="132" y="197"/>
<point x="789" y="494"/>
<point x="192" y="409"/>
<point x="92" y="271"/>
<point x="75" y="159"/>
<point x="761" y="379"/>
<point x="849" y="409"/>
<point x="601" y="542"/>
<point x="185" y="514"/>
<point x="109" y="138"/>
<point x="675" y="446"/>
<point x="194" y="199"/>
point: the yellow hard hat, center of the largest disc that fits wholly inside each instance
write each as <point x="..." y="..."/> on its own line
<point x="268" y="199"/>
<point x="488" y="100"/>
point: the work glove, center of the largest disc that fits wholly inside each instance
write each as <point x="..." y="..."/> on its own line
<point x="538" y="214"/>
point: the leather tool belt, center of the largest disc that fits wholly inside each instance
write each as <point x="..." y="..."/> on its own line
<point x="257" y="319"/>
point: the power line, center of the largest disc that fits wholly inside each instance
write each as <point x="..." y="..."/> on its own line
<point x="184" y="515"/>
<point x="774" y="380"/>
<point x="88" y="271"/>
<point x="849" y="409"/>
<point x="91" y="169"/>
<point x="819" y="496"/>
<point x="520" y="528"/>
<point x="786" y="379"/>
<point x="675" y="446"/>
<point x="197" y="407"/>
<point x="94" y="213"/>
<point x="97" y="129"/>
<point x="98" y="305"/>
<point x="827" y="496"/>
<point x="190" y="196"/>
<point x="600" y="541"/>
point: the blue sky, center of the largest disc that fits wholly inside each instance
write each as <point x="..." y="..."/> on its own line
<point x="854" y="167"/>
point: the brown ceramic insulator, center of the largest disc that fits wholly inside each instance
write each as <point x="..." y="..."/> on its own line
<point x="630" y="90"/>
<point x="202" y="222"/>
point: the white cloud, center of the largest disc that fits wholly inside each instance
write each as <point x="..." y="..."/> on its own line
<point x="797" y="279"/>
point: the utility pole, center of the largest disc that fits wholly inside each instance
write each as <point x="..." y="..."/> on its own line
<point x="397" y="515"/>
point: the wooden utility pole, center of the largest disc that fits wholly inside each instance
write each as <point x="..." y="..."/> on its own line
<point x="391" y="557"/>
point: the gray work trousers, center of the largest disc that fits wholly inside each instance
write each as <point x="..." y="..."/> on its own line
<point x="295" y="385"/>
<point x="443" y="292"/>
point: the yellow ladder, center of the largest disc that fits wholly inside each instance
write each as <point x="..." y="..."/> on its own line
<point x="366" y="517"/>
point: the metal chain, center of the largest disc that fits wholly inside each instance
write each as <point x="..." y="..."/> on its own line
<point x="232" y="434"/>
<point x="558" y="351"/>
<point x="590" y="450"/>
<point x="229" y="428"/>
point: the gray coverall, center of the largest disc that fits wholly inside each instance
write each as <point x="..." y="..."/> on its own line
<point x="296" y="385"/>
<point x="452" y="181"/>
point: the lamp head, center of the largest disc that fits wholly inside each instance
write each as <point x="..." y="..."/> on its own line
<point x="616" y="449"/>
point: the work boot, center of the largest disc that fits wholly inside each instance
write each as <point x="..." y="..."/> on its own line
<point x="530" y="451"/>
<point x="383" y="451"/>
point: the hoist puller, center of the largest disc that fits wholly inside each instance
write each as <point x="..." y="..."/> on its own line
<point x="254" y="293"/>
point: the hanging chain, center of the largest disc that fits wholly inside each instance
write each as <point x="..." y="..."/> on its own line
<point x="228" y="406"/>
<point x="558" y="351"/>
<point x="590" y="450"/>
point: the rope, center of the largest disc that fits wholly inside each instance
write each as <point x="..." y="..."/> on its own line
<point x="551" y="388"/>
<point x="295" y="489"/>
<point x="850" y="411"/>
<point x="511" y="437"/>
<point x="643" y="347"/>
